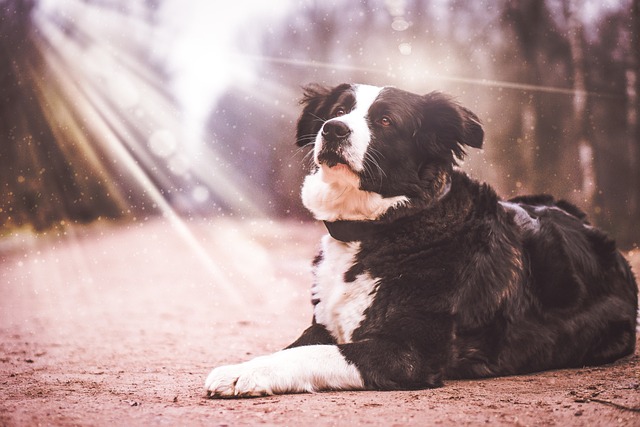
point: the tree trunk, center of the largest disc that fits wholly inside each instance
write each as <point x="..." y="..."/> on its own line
<point x="586" y="150"/>
<point x="633" y="120"/>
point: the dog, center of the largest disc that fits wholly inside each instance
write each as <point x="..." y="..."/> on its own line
<point x="426" y="274"/>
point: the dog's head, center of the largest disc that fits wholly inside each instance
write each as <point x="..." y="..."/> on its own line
<point x="392" y="144"/>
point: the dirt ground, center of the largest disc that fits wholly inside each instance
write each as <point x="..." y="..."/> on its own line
<point x="119" y="325"/>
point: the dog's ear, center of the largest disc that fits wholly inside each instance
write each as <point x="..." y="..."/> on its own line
<point x="311" y="120"/>
<point x="448" y="126"/>
<point x="473" y="133"/>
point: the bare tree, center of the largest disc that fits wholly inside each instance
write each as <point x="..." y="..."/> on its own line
<point x="633" y="92"/>
<point x="585" y="146"/>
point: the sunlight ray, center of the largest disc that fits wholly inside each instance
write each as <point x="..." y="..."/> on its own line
<point x="427" y="75"/>
<point x="109" y="127"/>
<point x="133" y="101"/>
<point x="118" y="153"/>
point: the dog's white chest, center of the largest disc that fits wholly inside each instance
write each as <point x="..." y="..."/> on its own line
<point x="341" y="304"/>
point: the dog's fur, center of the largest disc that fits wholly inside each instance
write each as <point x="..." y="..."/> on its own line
<point x="427" y="274"/>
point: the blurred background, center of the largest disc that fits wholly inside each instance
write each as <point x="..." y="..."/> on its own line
<point x="128" y="110"/>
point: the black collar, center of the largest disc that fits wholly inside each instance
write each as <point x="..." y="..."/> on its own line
<point x="353" y="231"/>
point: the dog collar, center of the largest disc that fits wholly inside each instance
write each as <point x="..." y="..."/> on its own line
<point x="352" y="231"/>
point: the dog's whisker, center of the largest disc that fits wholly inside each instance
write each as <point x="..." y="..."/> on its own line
<point x="318" y="118"/>
<point x="373" y="155"/>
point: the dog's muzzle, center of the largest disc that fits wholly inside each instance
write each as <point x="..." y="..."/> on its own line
<point x="335" y="140"/>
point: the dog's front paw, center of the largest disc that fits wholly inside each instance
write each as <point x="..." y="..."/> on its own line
<point x="243" y="380"/>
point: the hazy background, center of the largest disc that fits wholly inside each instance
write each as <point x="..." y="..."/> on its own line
<point x="130" y="109"/>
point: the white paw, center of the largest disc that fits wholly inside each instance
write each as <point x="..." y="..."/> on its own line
<point x="243" y="380"/>
<point x="295" y="370"/>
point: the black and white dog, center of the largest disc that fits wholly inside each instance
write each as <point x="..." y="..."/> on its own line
<point x="427" y="274"/>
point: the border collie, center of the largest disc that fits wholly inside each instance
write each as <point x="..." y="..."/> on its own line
<point x="427" y="274"/>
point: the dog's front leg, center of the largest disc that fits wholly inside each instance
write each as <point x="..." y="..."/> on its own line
<point x="293" y="370"/>
<point x="386" y="364"/>
<point x="368" y="364"/>
<point x="313" y="335"/>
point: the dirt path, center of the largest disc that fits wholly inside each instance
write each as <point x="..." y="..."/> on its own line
<point x="120" y="326"/>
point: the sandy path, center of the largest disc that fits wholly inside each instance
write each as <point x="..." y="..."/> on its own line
<point x="120" y="325"/>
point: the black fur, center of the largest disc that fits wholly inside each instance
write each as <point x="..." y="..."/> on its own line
<point x="470" y="286"/>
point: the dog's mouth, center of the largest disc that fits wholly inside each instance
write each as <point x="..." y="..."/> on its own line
<point x="334" y="161"/>
<point x="341" y="168"/>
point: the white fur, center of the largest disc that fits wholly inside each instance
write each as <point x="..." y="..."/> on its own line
<point x="294" y="370"/>
<point x="356" y="119"/>
<point x="522" y="217"/>
<point x="335" y="195"/>
<point x="526" y="221"/>
<point x="342" y="305"/>
<point x="542" y="209"/>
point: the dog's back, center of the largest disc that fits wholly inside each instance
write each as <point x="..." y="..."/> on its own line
<point x="577" y="306"/>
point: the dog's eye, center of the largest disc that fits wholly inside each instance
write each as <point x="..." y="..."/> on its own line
<point x="340" y="111"/>
<point x="385" y="121"/>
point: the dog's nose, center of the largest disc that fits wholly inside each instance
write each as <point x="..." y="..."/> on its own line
<point x="335" y="130"/>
